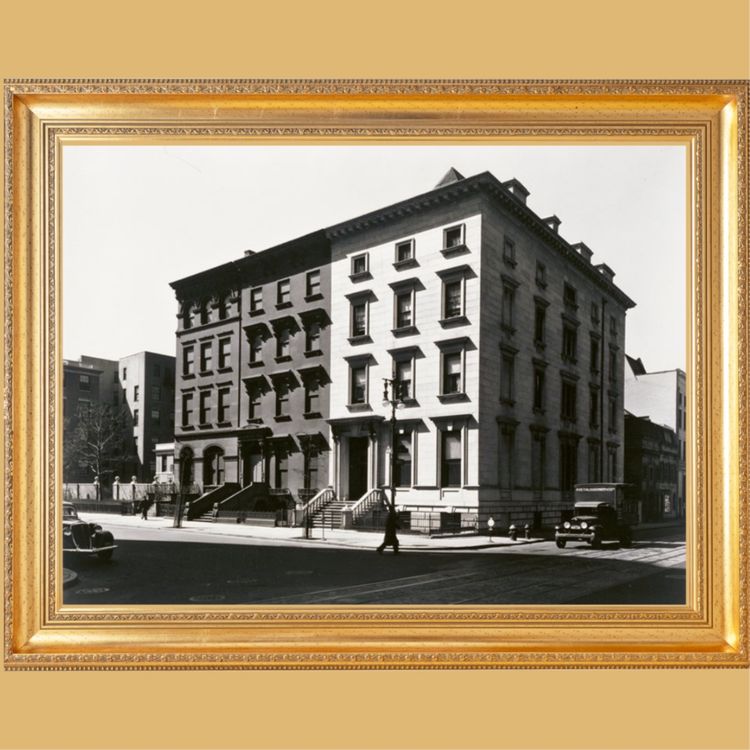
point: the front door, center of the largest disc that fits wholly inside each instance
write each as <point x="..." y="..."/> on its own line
<point x="357" y="467"/>
<point x="252" y="465"/>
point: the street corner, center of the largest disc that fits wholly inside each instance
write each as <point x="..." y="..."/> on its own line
<point x="70" y="578"/>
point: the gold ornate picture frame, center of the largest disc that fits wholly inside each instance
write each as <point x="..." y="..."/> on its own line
<point x="708" y="118"/>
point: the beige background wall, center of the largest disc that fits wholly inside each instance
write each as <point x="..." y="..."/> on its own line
<point x="460" y="709"/>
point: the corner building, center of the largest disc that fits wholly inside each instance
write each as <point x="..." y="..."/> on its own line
<point x="506" y="343"/>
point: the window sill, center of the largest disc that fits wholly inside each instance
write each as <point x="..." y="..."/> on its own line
<point x="505" y="328"/>
<point x="359" y="407"/>
<point x="569" y="420"/>
<point x="312" y="415"/>
<point x="569" y="360"/>
<point x="205" y="373"/>
<point x="361" y="276"/>
<point x="283" y="305"/>
<point x="538" y="411"/>
<point x="282" y="418"/>
<point x="225" y="423"/>
<point x="510" y="262"/>
<point x="400" y="265"/>
<point x="313" y="297"/>
<point x="541" y="284"/>
<point x="205" y="426"/>
<point x="283" y="358"/>
<point x="255" y="420"/>
<point x="404" y="330"/>
<point x="224" y="369"/>
<point x="448" y="398"/>
<point x="314" y="353"/>
<point x="188" y="375"/>
<point x="255" y="313"/>
<point x="540" y="345"/>
<point x="255" y="364"/>
<point x="456" y="320"/>
<point x="362" y="339"/>
<point x="449" y="252"/>
<point x="508" y="401"/>
<point x="187" y="427"/>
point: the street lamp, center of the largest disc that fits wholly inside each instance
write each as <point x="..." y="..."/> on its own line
<point x="392" y="397"/>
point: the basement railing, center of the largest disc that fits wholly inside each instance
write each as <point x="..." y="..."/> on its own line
<point x="366" y="503"/>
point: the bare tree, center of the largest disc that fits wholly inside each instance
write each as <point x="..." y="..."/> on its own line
<point x="95" y="442"/>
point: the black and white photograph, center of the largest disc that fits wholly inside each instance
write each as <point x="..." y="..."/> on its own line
<point x="374" y="374"/>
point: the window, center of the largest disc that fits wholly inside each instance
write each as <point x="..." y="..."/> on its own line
<point x="570" y="296"/>
<point x="450" y="458"/>
<point x="224" y="352"/>
<point x="595" y="313"/>
<point x="283" y="292"/>
<point x="187" y="317"/>
<point x="538" y="461"/>
<point x="452" y="373"/>
<point x="156" y="370"/>
<point x="163" y="463"/>
<point x="541" y="274"/>
<point x="569" y="342"/>
<point x="282" y="400"/>
<point x="594" y="354"/>
<point x="540" y="319"/>
<point x="568" y="463"/>
<point x="507" y="362"/>
<point x="256" y="299"/>
<point x="205" y="316"/>
<point x="312" y="284"/>
<point x="359" y="319"/>
<point x="124" y="373"/>
<point x="594" y="463"/>
<point x="506" y="457"/>
<point x="135" y="416"/>
<point x="404" y="251"/>
<point x="453" y="299"/>
<point x="155" y="416"/>
<point x="403" y="459"/>
<point x="612" y="414"/>
<point x="136" y="391"/>
<point x="538" y="389"/>
<point x="188" y="360"/>
<point x="205" y="407"/>
<point x="84" y="382"/>
<point x="206" y="356"/>
<point x="282" y="472"/>
<point x="312" y="337"/>
<point x="612" y="463"/>
<point x="358" y="384"/>
<point x="506" y="315"/>
<point x="612" y="365"/>
<point x="404" y="309"/>
<point x="613" y="325"/>
<point x="593" y="408"/>
<point x="283" y="343"/>
<point x="222" y="406"/>
<point x="156" y="393"/>
<point x="311" y="471"/>
<point x="312" y="398"/>
<point x="222" y="308"/>
<point x="402" y="374"/>
<point x="568" y="401"/>
<point x="509" y="252"/>
<point x="256" y="348"/>
<point x="360" y="264"/>
<point x="453" y="237"/>
<point x="254" y="399"/>
<point x="187" y="409"/>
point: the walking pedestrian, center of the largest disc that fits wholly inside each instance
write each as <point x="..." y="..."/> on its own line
<point x="145" y="506"/>
<point x="390" y="539"/>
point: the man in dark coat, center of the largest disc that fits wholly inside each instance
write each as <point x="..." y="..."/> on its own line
<point x="390" y="539"/>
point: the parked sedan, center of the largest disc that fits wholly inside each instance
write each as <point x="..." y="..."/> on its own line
<point x="85" y="538"/>
<point x="594" y="522"/>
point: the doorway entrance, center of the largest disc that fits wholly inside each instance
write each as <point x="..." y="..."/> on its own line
<point x="358" y="448"/>
<point x="252" y="465"/>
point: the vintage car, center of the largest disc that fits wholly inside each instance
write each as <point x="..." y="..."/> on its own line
<point x="85" y="538"/>
<point x="594" y="522"/>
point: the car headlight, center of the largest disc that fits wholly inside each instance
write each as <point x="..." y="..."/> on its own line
<point x="566" y="525"/>
<point x="67" y="531"/>
<point x="584" y="525"/>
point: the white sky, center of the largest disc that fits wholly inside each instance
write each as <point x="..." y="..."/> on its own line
<point x="137" y="217"/>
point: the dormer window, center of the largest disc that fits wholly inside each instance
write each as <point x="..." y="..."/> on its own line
<point x="404" y="251"/>
<point x="360" y="268"/>
<point x="454" y="240"/>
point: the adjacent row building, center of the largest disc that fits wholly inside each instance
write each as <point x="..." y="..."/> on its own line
<point x="505" y="343"/>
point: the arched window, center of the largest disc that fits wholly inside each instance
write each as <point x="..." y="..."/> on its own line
<point x="213" y="466"/>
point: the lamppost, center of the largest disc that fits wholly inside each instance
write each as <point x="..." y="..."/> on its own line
<point x="392" y="397"/>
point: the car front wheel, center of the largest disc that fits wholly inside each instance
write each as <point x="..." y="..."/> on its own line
<point x="105" y="554"/>
<point x="596" y="542"/>
<point x="560" y="543"/>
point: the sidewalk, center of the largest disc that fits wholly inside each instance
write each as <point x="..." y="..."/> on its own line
<point x="295" y="536"/>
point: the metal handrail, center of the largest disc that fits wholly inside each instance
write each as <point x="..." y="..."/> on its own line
<point x="323" y="498"/>
<point x="366" y="502"/>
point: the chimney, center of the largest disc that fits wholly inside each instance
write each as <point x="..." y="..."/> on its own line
<point x="553" y="223"/>
<point x="515" y="187"/>
<point x="249" y="252"/>
<point x="584" y="251"/>
<point x="606" y="271"/>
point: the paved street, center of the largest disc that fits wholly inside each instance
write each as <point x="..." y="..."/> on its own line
<point x="155" y="564"/>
